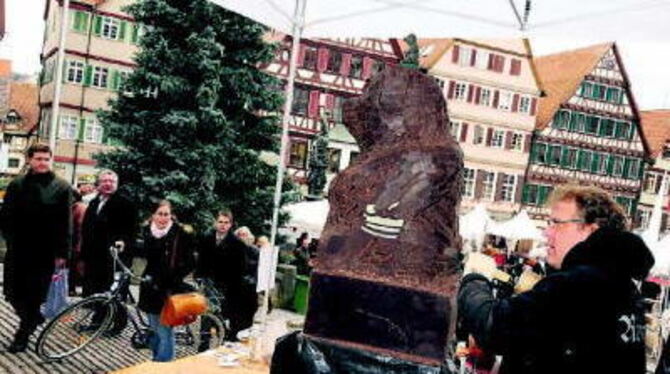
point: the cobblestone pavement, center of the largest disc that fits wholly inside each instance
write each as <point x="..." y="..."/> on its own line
<point x="104" y="355"/>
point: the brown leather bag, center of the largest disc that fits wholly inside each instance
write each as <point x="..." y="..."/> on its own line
<point x="184" y="308"/>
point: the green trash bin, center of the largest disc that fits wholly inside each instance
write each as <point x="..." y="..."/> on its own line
<point x="301" y="294"/>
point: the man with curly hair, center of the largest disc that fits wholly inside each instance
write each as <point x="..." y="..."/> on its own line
<point x="586" y="316"/>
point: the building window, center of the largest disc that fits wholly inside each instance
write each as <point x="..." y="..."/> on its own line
<point x="482" y="61"/>
<point x="75" y="71"/>
<point x="68" y="127"/>
<point x="110" y="28"/>
<point x="617" y="168"/>
<point x="607" y="127"/>
<point x="488" y="184"/>
<point x="337" y="108"/>
<point x="623" y="130"/>
<point x="592" y="125"/>
<point x="310" y="59"/>
<point x="507" y="188"/>
<point x="613" y="95"/>
<point x="454" y="129"/>
<point x="540" y="153"/>
<point x="562" y="119"/>
<point x="464" y="56"/>
<point x="585" y="161"/>
<point x="460" y="91"/>
<point x="633" y="169"/>
<point x="570" y="158"/>
<point x="478" y="137"/>
<point x="645" y="215"/>
<point x="13" y="163"/>
<point x="93" y="131"/>
<point x="530" y="194"/>
<point x="334" y="62"/>
<point x="468" y="182"/>
<point x="100" y="77"/>
<point x="485" y="97"/>
<point x="300" y="101"/>
<point x="524" y="104"/>
<point x="587" y="89"/>
<point x="356" y="70"/>
<point x="334" y="156"/>
<point x="298" y="154"/>
<point x="498" y="138"/>
<point x="517" y="141"/>
<point x="650" y="183"/>
<point x="505" y="101"/>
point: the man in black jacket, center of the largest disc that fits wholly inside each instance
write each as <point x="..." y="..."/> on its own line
<point x="587" y="316"/>
<point x="110" y="218"/>
<point x="222" y="259"/>
<point x="36" y="223"/>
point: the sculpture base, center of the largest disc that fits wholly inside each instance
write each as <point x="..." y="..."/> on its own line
<point x="398" y="321"/>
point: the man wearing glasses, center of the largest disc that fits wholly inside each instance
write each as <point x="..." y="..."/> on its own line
<point x="586" y="317"/>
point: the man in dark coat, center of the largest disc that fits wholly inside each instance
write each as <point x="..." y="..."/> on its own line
<point x="36" y="223"/>
<point x="222" y="259"/>
<point x="587" y="316"/>
<point x="110" y="218"/>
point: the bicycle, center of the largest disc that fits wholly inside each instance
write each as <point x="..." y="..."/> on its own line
<point x="82" y="323"/>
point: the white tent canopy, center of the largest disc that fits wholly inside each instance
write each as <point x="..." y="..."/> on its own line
<point x="603" y="20"/>
<point x="518" y="228"/>
<point x="661" y="252"/>
<point x="308" y="216"/>
<point x="473" y="225"/>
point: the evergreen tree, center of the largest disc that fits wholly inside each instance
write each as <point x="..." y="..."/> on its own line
<point x="192" y="119"/>
<point x="318" y="162"/>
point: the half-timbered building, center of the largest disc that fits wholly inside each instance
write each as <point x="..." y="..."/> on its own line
<point x="656" y="126"/>
<point x="329" y="71"/>
<point x="492" y="95"/>
<point x="588" y="128"/>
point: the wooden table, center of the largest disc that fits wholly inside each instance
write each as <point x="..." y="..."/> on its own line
<point x="205" y="363"/>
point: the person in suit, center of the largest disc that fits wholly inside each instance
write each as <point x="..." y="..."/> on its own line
<point x="110" y="218"/>
<point x="222" y="259"/>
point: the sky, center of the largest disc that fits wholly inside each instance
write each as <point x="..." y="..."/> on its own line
<point x="647" y="62"/>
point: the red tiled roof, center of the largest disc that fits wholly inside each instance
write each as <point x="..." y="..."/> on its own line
<point x="23" y="98"/>
<point x="560" y="74"/>
<point x="656" y="126"/>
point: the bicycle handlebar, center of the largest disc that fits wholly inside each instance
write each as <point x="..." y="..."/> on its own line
<point x="114" y="251"/>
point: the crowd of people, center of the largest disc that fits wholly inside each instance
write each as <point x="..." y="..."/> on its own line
<point x="48" y="225"/>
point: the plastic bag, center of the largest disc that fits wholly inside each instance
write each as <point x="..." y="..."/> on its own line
<point x="57" y="296"/>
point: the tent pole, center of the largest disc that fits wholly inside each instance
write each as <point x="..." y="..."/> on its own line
<point x="296" y="34"/>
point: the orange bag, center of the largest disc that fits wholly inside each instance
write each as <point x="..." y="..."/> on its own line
<point x="182" y="309"/>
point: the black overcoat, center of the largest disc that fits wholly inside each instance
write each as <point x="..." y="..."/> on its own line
<point x="117" y="220"/>
<point x="36" y="223"/>
<point x="169" y="260"/>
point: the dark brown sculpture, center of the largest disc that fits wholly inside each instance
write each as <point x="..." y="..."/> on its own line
<point x="387" y="268"/>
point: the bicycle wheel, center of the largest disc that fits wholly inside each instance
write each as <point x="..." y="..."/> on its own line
<point x="205" y="333"/>
<point x="74" y="328"/>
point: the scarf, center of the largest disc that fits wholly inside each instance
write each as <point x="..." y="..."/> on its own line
<point x="159" y="233"/>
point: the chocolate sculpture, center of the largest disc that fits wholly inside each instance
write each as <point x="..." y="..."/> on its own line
<point x="387" y="268"/>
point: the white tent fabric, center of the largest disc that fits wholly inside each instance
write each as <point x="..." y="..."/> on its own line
<point x="308" y="216"/>
<point x="518" y="228"/>
<point x="661" y="252"/>
<point x="602" y="20"/>
<point x="472" y="226"/>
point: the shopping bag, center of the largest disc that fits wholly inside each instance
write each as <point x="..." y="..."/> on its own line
<point x="57" y="296"/>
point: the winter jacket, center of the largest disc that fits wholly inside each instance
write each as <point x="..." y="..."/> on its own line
<point x="36" y="223"/>
<point x="585" y="318"/>
<point x="169" y="260"/>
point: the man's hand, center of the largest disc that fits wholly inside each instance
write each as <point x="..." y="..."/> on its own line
<point x="480" y="264"/>
<point x="120" y="245"/>
<point x="60" y="262"/>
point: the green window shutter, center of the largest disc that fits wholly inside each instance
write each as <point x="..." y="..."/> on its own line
<point x="580" y="159"/>
<point x="84" y="22"/>
<point x="135" y="33"/>
<point x="122" y="30"/>
<point x="525" y="193"/>
<point x="74" y="20"/>
<point x="574" y="122"/>
<point x="88" y="75"/>
<point x="626" y="166"/>
<point x="564" y="157"/>
<point x="543" y="194"/>
<point x="641" y="169"/>
<point x="97" y="25"/>
<point x="81" y="129"/>
<point x="595" y="161"/>
<point x="116" y="80"/>
<point x="610" y="164"/>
